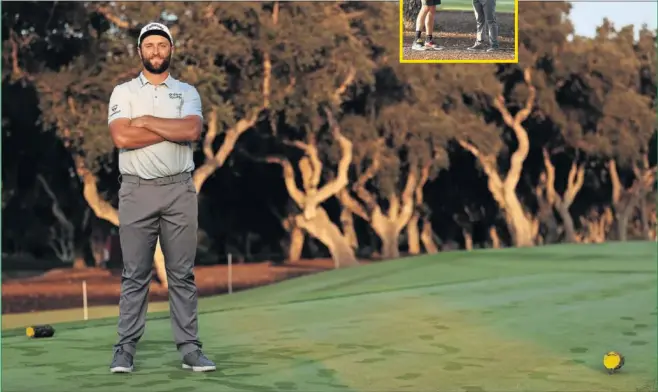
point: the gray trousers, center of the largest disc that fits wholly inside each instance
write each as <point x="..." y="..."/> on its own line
<point x="485" y="14"/>
<point x="147" y="208"/>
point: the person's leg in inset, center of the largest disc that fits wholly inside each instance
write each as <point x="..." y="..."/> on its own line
<point x="420" y="23"/>
<point x="480" y="21"/>
<point x="492" y="24"/>
<point x="138" y="232"/>
<point x="178" y="238"/>
<point x="429" y="25"/>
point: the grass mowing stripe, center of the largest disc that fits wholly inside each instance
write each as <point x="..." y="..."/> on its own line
<point x="493" y="326"/>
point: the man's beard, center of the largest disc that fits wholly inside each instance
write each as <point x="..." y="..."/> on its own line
<point x="157" y="70"/>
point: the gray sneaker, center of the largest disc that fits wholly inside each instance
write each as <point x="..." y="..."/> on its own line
<point x="477" y="46"/>
<point x="198" y="362"/>
<point x="418" y="45"/>
<point x="493" y="48"/>
<point x="122" y="362"/>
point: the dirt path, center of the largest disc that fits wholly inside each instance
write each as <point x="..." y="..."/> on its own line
<point x="456" y="32"/>
<point x="62" y="288"/>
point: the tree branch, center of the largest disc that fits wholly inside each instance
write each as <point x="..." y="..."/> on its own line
<point x="575" y="183"/>
<point x="551" y="195"/>
<point x="616" y="182"/>
<point x="407" y="200"/>
<point x="488" y="163"/>
<point x="311" y="151"/>
<point x="102" y="209"/>
<point x="519" y="156"/>
<point x="289" y="179"/>
<point x="117" y="21"/>
<point x="341" y="180"/>
<point x="347" y="201"/>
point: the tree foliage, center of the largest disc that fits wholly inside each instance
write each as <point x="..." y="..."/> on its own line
<point x="311" y="98"/>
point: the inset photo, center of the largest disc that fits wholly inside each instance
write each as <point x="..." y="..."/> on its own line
<point x="459" y="31"/>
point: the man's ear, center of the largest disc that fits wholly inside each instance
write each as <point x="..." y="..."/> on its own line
<point x="139" y="52"/>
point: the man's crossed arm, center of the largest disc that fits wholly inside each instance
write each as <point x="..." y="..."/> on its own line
<point x="147" y="130"/>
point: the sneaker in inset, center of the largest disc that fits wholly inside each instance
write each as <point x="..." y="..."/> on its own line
<point x="430" y="45"/>
<point x="418" y="45"/>
<point x="122" y="362"/>
<point x="198" y="362"/>
<point x="476" y="46"/>
<point x="494" y="48"/>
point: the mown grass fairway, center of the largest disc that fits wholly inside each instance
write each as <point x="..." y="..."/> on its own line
<point x="509" y="320"/>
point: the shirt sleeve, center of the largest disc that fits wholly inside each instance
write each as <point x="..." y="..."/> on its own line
<point x="119" y="106"/>
<point x="191" y="103"/>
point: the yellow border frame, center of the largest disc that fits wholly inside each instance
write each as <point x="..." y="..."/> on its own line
<point x="516" y="44"/>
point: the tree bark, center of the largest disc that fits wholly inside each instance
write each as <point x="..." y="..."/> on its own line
<point x="504" y="190"/>
<point x="427" y="237"/>
<point x="410" y="9"/>
<point x="347" y="222"/>
<point x="468" y="239"/>
<point x="388" y="230"/>
<point x="413" y="234"/>
<point x="323" y="229"/>
<point x="644" y="218"/>
<point x="296" y="244"/>
<point x="495" y="239"/>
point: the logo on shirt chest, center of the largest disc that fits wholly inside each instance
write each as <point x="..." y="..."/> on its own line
<point x="179" y="97"/>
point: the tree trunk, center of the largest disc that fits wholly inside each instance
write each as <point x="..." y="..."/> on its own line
<point x="468" y="239"/>
<point x="567" y="223"/>
<point x="79" y="261"/>
<point x="388" y="231"/>
<point x="519" y="224"/>
<point x="413" y="235"/>
<point x="159" y="264"/>
<point x="495" y="239"/>
<point x="644" y="218"/>
<point x="296" y="244"/>
<point x="427" y="237"/>
<point x="347" y="221"/>
<point x="390" y="248"/>
<point x="622" y="224"/>
<point x="410" y="9"/>
<point x="546" y="216"/>
<point x="503" y="190"/>
<point x="325" y="231"/>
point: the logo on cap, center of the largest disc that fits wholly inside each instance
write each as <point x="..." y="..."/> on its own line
<point x="155" y="26"/>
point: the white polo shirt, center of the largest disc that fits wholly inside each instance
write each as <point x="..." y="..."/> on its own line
<point x="171" y="99"/>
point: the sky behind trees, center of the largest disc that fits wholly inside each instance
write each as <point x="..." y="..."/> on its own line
<point x="586" y="16"/>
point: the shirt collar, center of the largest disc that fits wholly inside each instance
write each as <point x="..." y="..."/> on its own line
<point x="167" y="82"/>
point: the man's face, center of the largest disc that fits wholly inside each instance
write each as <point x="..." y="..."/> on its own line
<point x="155" y="53"/>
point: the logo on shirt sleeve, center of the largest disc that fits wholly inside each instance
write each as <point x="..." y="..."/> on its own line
<point x="115" y="110"/>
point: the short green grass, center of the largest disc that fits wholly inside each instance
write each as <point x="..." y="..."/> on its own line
<point x="537" y="319"/>
<point x="505" y="6"/>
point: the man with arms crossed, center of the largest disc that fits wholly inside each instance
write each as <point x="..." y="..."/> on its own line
<point x="426" y="18"/>
<point x="152" y="120"/>
<point x="485" y="14"/>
